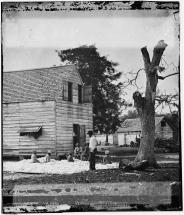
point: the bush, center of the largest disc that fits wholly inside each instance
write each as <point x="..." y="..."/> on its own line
<point x="132" y="144"/>
<point x="135" y="144"/>
<point x="168" y="144"/>
<point x="121" y="151"/>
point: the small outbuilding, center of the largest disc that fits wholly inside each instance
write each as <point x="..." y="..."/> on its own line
<point x="131" y="128"/>
<point x="45" y="109"/>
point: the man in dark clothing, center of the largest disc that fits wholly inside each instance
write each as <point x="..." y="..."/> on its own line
<point x="92" y="150"/>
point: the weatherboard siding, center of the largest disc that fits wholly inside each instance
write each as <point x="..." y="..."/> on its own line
<point x="18" y="115"/>
<point x="163" y="132"/>
<point x="67" y="114"/>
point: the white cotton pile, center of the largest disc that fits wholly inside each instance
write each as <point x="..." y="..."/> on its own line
<point x="53" y="167"/>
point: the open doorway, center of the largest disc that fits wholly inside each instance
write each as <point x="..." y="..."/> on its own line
<point x="76" y="134"/>
<point x="79" y="135"/>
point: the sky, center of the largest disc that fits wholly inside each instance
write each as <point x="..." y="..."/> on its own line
<point x="30" y="39"/>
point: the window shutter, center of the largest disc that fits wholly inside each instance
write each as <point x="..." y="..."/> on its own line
<point x="70" y="92"/>
<point x="65" y="91"/>
<point x="79" y="94"/>
<point x="87" y="94"/>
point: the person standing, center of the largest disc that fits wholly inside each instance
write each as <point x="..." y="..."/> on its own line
<point x="92" y="150"/>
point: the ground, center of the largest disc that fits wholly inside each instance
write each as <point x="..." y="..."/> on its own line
<point x="169" y="172"/>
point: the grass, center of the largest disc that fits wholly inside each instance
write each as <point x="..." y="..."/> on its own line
<point x="124" y="151"/>
<point x="118" y="151"/>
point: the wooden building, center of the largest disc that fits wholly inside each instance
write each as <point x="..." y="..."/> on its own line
<point x="131" y="128"/>
<point x="45" y="109"/>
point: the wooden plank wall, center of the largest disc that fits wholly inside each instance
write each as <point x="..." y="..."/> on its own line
<point x="67" y="114"/>
<point x="28" y="115"/>
<point x="11" y="118"/>
<point x="163" y="132"/>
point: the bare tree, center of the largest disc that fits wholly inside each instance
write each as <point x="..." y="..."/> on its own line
<point x="170" y="100"/>
<point x="146" y="105"/>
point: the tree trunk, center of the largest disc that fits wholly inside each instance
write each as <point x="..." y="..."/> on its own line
<point x="146" y="105"/>
<point x="147" y="117"/>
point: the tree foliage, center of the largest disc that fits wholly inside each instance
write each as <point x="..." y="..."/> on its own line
<point x="131" y="114"/>
<point x="101" y="73"/>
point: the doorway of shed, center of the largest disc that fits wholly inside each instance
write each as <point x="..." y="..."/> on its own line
<point x="79" y="135"/>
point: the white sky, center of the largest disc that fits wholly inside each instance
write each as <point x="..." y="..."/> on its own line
<point x="30" y="40"/>
<point x="111" y="32"/>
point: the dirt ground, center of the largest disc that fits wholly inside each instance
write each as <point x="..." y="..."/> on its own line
<point x="169" y="171"/>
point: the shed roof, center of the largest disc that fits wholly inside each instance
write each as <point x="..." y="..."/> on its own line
<point x="134" y="125"/>
<point x="37" y="84"/>
<point x="30" y="129"/>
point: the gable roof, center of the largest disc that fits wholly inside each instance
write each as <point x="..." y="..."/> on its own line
<point x="173" y="121"/>
<point x="134" y="125"/>
<point x="37" y="84"/>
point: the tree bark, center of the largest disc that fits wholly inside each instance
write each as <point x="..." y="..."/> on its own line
<point x="146" y="105"/>
<point x="147" y="117"/>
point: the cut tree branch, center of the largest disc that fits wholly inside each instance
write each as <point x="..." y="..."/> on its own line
<point x="138" y="101"/>
<point x="146" y="57"/>
<point x="157" y="53"/>
<point x="160" y="68"/>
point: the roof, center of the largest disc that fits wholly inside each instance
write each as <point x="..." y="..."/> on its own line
<point x="42" y="84"/>
<point x="134" y="125"/>
<point x="173" y="121"/>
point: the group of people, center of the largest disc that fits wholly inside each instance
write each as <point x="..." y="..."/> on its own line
<point x="89" y="153"/>
<point x="34" y="158"/>
<point x="80" y="153"/>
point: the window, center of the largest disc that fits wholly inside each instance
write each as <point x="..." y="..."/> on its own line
<point x="79" y="93"/>
<point x="70" y="93"/>
<point x="67" y="91"/>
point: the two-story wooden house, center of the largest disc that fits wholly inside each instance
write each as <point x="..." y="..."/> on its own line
<point x="45" y="109"/>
